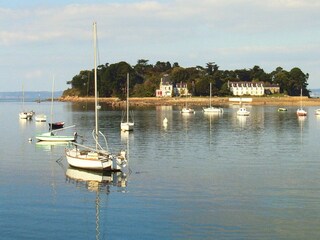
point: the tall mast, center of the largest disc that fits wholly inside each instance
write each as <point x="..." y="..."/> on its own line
<point x="301" y="98"/>
<point x="22" y="97"/>
<point x="210" y="94"/>
<point x="95" y="82"/>
<point x="51" y="113"/>
<point x="128" y="98"/>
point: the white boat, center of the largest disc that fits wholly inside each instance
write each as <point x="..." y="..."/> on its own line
<point x="97" y="157"/>
<point x="40" y="118"/>
<point x="212" y="109"/>
<point x="127" y="125"/>
<point x="187" y="109"/>
<point x="25" y="114"/>
<point x="52" y="136"/>
<point x="317" y="111"/>
<point x="243" y="112"/>
<point x="300" y="111"/>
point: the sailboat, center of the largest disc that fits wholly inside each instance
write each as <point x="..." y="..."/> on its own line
<point x="187" y="109"/>
<point x="211" y="109"/>
<point x="54" y="125"/>
<point x="52" y="134"/>
<point x="127" y="126"/>
<point x="300" y="111"/>
<point x="40" y="118"/>
<point x="25" y="114"/>
<point x="242" y="111"/>
<point x="97" y="157"/>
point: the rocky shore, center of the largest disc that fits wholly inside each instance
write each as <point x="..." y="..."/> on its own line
<point x="203" y="101"/>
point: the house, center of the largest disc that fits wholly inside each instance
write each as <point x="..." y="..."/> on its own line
<point x="181" y="89"/>
<point x="252" y="88"/>
<point x="165" y="89"/>
<point x="271" y="88"/>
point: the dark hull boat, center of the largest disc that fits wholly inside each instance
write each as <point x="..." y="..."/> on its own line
<point x="56" y="125"/>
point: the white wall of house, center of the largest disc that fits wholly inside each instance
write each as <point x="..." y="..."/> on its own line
<point x="246" y="88"/>
<point x="165" y="89"/>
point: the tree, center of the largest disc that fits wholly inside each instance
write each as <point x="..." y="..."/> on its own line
<point x="281" y="77"/>
<point x="298" y="81"/>
<point x="145" y="79"/>
<point x="259" y="75"/>
<point x="243" y="75"/>
<point x="211" y="68"/>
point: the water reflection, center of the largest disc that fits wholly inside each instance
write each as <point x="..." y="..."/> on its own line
<point x="164" y="115"/>
<point x="301" y="121"/>
<point x="24" y="122"/>
<point x="242" y="120"/>
<point x="50" y="146"/>
<point x="98" y="182"/>
<point x="212" y="117"/>
<point x="95" y="181"/>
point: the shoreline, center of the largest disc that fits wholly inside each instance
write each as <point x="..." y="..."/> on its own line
<point x="196" y="101"/>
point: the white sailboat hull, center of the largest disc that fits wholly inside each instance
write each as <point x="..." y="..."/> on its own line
<point x="41" y="118"/>
<point x="243" y="112"/>
<point x="88" y="160"/>
<point x="55" y="138"/>
<point x="213" y="110"/>
<point x="187" y="110"/>
<point x="301" y="112"/>
<point x="127" y="126"/>
<point x="26" y="115"/>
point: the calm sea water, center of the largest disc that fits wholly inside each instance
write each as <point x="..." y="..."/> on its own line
<point x="200" y="177"/>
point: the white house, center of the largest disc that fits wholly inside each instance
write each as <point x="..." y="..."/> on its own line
<point x="246" y="88"/>
<point x="165" y="89"/>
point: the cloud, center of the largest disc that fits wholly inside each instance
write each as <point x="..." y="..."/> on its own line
<point x="152" y="19"/>
<point x="232" y="33"/>
<point x="34" y="74"/>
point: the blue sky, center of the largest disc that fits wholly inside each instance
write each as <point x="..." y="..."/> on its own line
<point x="42" y="39"/>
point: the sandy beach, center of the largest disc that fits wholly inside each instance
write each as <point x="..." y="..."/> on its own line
<point x="203" y="101"/>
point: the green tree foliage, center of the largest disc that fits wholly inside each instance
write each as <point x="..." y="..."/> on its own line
<point x="291" y="82"/>
<point x="145" y="79"/>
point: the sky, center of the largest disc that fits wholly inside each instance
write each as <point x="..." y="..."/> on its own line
<point x="45" y="40"/>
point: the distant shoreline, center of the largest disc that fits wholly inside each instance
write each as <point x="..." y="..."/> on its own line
<point x="203" y="101"/>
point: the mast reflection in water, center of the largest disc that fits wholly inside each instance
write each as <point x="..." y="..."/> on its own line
<point x="98" y="182"/>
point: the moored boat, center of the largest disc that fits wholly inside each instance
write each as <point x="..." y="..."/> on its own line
<point x="97" y="157"/>
<point x="212" y="109"/>
<point x="52" y="136"/>
<point x="40" y="118"/>
<point x="56" y="125"/>
<point x="243" y="112"/>
<point x="187" y="110"/>
<point x="127" y="125"/>
<point x="300" y="111"/>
